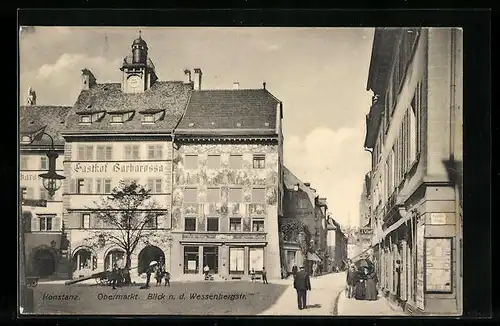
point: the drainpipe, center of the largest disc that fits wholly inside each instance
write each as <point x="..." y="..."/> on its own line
<point x="453" y="40"/>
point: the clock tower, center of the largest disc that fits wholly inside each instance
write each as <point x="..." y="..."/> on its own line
<point x="138" y="70"/>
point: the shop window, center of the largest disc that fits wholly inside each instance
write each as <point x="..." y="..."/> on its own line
<point x="236" y="260"/>
<point x="191" y="260"/>
<point x="256" y="259"/>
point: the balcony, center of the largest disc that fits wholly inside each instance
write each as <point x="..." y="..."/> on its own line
<point x="244" y="237"/>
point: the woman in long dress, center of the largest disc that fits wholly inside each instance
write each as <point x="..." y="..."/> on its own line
<point x="371" y="285"/>
<point x="360" y="288"/>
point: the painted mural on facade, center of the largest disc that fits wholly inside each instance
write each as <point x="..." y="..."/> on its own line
<point x="203" y="177"/>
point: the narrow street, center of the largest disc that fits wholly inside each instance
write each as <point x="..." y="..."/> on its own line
<point x="320" y="300"/>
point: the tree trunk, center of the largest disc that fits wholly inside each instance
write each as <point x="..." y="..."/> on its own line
<point x="128" y="264"/>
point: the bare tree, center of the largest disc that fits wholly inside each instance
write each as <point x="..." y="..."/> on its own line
<point x="128" y="216"/>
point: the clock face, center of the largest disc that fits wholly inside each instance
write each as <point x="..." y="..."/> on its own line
<point x="134" y="81"/>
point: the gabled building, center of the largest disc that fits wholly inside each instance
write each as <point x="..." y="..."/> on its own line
<point x="414" y="135"/>
<point x="301" y="202"/>
<point x="120" y="132"/>
<point x="336" y="246"/>
<point x="227" y="184"/>
<point x="44" y="239"/>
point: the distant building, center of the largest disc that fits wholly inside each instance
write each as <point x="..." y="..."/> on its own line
<point x="413" y="131"/>
<point x="301" y="202"/>
<point x="336" y="246"/>
<point x="45" y="244"/>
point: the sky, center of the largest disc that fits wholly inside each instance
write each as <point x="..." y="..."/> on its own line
<point x="319" y="74"/>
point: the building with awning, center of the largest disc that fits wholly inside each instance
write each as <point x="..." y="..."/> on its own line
<point x="413" y="132"/>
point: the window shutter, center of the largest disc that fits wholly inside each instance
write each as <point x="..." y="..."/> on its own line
<point x="35" y="224"/>
<point x="56" y="223"/>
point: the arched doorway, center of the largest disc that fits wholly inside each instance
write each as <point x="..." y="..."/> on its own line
<point x="44" y="263"/>
<point x="147" y="255"/>
<point x="84" y="261"/>
<point x="114" y="256"/>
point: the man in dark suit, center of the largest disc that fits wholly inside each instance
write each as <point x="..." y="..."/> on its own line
<point x="302" y="283"/>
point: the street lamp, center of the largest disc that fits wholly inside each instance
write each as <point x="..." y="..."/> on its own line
<point x="51" y="180"/>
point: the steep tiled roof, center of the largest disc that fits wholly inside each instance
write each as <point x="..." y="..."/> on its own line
<point x="35" y="117"/>
<point x="171" y="96"/>
<point x="229" y="112"/>
<point x="291" y="180"/>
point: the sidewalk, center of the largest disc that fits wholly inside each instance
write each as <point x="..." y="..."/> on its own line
<point x="353" y="307"/>
<point x="320" y="300"/>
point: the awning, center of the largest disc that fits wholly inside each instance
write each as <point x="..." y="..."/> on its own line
<point x="398" y="223"/>
<point x="313" y="257"/>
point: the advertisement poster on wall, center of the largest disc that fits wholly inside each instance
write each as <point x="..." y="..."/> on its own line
<point x="438" y="261"/>
<point x="420" y="264"/>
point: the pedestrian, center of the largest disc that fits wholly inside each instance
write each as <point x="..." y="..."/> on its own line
<point x="302" y="284"/>
<point x="264" y="275"/>
<point x="252" y="274"/>
<point x="167" y="278"/>
<point x="159" y="275"/>
<point x="294" y="271"/>
<point x="398" y="278"/>
<point x="371" y="284"/>
<point x="149" y="271"/>
<point x="115" y="275"/>
<point x="206" y="270"/>
<point x="351" y="281"/>
<point x="360" y="287"/>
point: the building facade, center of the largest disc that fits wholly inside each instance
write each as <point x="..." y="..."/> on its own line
<point x="364" y="204"/>
<point x="336" y="246"/>
<point x="44" y="240"/>
<point x="227" y="184"/>
<point x="120" y="132"/>
<point x="414" y="134"/>
<point x="302" y="203"/>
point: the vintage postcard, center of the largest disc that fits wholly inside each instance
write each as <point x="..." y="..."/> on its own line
<point x="240" y="171"/>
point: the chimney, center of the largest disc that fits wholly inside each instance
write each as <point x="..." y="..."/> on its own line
<point x="198" y="71"/>
<point x="188" y="72"/>
<point x="236" y="85"/>
<point x="264" y="85"/>
<point x="31" y="100"/>
<point x="88" y="79"/>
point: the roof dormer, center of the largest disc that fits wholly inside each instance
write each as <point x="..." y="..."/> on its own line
<point x="121" y="116"/>
<point x="89" y="117"/>
<point x="152" y="116"/>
